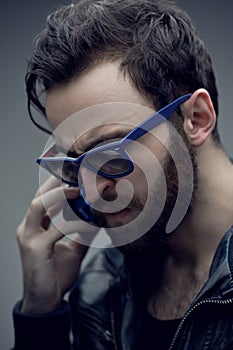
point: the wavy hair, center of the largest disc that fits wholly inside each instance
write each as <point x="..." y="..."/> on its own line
<point x="156" y="42"/>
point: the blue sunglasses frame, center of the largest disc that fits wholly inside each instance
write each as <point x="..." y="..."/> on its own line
<point x="118" y="146"/>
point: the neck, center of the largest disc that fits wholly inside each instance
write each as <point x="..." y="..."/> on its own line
<point x="192" y="247"/>
<point x="179" y="271"/>
<point x="211" y="216"/>
<point x="144" y="268"/>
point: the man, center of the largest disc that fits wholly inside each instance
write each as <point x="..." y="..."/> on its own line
<point x="105" y="67"/>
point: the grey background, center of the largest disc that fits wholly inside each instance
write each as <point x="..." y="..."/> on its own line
<point x="21" y="142"/>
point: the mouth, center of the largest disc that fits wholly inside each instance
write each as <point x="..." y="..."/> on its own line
<point x="119" y="218"/>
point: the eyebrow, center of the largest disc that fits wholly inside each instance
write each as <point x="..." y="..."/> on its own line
<point x="116" y="134"/>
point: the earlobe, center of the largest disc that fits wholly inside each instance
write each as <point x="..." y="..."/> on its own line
<point x="199" y="117"/>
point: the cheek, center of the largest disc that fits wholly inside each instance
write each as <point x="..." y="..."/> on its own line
<point x="146" y="182"/>
<point x="157" y="148"/>
<point x="149" y="178"/>
<point x="139" y="180"/>
<point x="149" y="156"/>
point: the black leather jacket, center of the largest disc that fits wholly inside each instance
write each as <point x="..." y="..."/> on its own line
<point x="106" y="317"/>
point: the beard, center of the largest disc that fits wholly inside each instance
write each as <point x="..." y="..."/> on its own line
<point x="144" y="257"/>
<point x="153" y="240"/>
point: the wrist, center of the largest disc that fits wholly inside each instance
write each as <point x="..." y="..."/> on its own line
<point x="39" y="306"/>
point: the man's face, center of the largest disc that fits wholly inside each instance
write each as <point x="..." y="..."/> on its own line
<point x="106" y="84"/>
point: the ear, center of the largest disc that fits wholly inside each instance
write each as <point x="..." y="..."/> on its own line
<point x="199" y="117"/>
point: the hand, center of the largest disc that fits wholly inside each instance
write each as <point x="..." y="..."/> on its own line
<point x="50" y="262"/>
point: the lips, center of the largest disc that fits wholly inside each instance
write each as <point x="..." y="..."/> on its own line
<point x="117" y="218"/>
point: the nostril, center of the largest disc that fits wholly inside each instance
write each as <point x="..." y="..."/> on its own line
<point x="109" y="195"/>
<point x="95" y="187"/>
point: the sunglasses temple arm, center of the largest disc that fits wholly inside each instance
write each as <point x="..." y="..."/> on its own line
<point x="154" y="120"/>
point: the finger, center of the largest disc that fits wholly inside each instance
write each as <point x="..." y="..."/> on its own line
<point x="41" y="205"/>
<point x="51" y="183"/>
<point x="77" y="231"/>
<point x="59" y="205"/>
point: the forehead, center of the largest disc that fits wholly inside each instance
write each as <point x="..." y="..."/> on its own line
<point x="99" y="123"/>
<point x="104" y="83"/>
<point x="95" y="103"/>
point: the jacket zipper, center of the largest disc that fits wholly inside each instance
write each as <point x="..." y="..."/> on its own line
<point x="114" y="316"/>
<point x="206" y="301"/>
<point x="114" y="339"/>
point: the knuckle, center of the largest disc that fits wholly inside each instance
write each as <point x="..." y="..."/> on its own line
<point x="34" y="204"/>
<point x="19" y="231"/>
<point x="30" y="246"/>
<point x="20" y="239"/>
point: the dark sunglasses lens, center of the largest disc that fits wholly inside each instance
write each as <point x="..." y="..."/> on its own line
<point x="70" y="172"/>
<point x="109" y="162"/>
<point x="63" y="170"/>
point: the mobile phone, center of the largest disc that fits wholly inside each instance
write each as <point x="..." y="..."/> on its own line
<point x="79" y="207"/>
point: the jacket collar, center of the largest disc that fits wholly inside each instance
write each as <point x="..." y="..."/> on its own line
<point x="220" y="282"/>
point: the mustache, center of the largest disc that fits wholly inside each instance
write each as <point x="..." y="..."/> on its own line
<point x="124" y="201"/>
<point x="100" y="215"/>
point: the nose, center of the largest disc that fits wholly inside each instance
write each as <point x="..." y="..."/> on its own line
<point x="96" y="186"/>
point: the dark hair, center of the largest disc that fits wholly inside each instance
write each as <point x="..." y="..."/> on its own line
<point x="157" y="44"/>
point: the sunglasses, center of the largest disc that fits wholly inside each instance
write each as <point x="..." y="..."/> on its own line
<point x="110" y="160"/>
